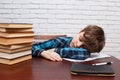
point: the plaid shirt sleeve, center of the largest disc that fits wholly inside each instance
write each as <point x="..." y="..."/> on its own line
<point x="37" y="48"/>
<point x="73" y="53"/>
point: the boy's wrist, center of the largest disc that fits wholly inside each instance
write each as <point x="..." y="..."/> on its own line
<point x="43" y="52"/>
<point x="51" y="50"/>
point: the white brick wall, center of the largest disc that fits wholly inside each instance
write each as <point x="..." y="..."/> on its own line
<point x="66" y="17"/>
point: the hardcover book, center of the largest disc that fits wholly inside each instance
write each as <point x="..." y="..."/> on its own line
<point x="16" y="60"/>
<point x="15" y="50"/>
<point x="17" y="40"/>
<point x="15" y="46"/>
<point x="94" y="70"/>
<point x="15" y="25"/>
<point x="16" y="30"/>
<point x="15" y="34"/>
<point x="14" y="55"/>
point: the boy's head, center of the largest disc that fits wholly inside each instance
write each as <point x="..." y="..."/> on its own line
<point x="91" y="37"/>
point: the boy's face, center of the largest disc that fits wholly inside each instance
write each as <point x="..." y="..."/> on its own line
<point x="77" y="41"/>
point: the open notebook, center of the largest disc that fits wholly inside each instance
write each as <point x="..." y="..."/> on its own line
<point x="93" y="57"/>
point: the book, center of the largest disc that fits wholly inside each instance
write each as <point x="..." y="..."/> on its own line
<point x="15" y="25"/>
<point x="15" y="50"/>
<point x="15" y="60"/>
<point x="15" y="46"/>
<point x="16" y="29"/>
<point x="17" y="40"/>
<point x="14" y="55"/>
<point x="16" y="34"/>
<point x="94" y="70"/>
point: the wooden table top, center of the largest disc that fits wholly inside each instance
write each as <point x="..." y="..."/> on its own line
<point x="42" y="69"/>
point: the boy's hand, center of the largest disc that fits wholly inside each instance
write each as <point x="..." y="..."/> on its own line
<point x="51" y="55"/>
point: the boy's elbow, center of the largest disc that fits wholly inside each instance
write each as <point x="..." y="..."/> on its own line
<point x="35" y="50"/>
<point x="33" y="53"/>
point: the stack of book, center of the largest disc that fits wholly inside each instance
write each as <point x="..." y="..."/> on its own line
<point x="15" y="42"/>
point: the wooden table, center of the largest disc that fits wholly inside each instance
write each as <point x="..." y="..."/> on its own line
<point x="42" y="69"/>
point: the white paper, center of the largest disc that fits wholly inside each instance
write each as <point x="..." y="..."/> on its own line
<point x="93" y="57"/>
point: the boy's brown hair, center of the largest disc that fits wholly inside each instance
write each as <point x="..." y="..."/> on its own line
<point x="94" y="38"/>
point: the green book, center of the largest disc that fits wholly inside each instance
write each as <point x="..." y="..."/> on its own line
<point x="94" y="70"/>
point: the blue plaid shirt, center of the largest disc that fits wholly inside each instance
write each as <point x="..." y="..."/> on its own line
<point x="62" y="47"/>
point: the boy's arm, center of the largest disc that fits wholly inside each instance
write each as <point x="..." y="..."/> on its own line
<point x="73" y="53"/>
<point x="40" y="47"/>
<point x="51" y="55"/>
